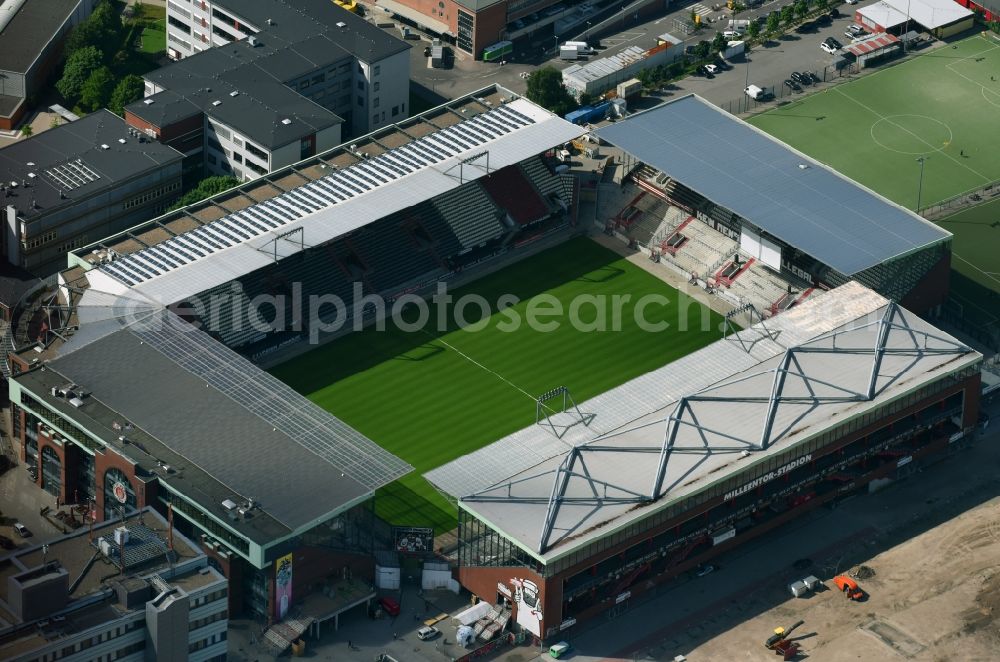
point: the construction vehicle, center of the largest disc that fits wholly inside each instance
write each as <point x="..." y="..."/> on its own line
<point x="849" y="587"/>
<point x="780" y="643"/>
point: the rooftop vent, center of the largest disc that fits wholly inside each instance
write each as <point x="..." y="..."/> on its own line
<point x="32" y="175"/>
<point x="30" y="164"/>
<point x="286" y="121"/>
<point x="76" y="402"/>
<point x="234" y="93"/>
<point x="252" y="41"/>
<point x="122" y="140"/>
<point x="341" y="24"/>
<point x="229" y="504"/>
<point x="270" y="22"/>
<point x="148" y="101"/>
<point x="105" y="146"/>
<point x="216" y="103"/>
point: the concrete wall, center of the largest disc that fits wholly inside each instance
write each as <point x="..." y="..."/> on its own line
<point x="167" y="627"/>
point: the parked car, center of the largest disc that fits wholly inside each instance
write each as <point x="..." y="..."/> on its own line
<point x="851" y="2"/>
<point x="829" y="48"/>
<point x="798" y="78"/>
<point x="704" y="570"/>
<point x="791" y="84"/>
<point x="805" y="78"/>
<point x="808" y="26"/>
<point x="390" y="606"/>
<point x="732" y="35"/>
<point x="712" y="68"/>
<point x="856" y="29"/>
<point x="834" y="13"/>
<point x="22" y="530"/>
<point x="560" y="649"/>
<point x="833" y="42"/>
<point x="427" y="632"/>
<point x="825" y="19"/>
<point x="813" y="77"/>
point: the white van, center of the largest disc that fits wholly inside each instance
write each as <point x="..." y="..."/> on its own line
<point x="756" y="93"/>
<point x="581" y="46"/>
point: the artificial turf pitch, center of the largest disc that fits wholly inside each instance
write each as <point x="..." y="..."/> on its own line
<point x="943" y="105"/>
<point x="430" y="397"/>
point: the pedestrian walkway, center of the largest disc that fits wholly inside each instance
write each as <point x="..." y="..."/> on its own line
<point x="700" y="9"/>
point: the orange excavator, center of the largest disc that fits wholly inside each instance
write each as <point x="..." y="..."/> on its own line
<point x="781" y="644"/>
<point x="848" y="587"/>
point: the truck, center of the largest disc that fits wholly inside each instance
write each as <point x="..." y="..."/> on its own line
<point x="437" y="56"/>
<point x="581" y="46"/>
<point x="570" y="53"/>
<point x="734" y="48"/>
<point x="757" y="93"/>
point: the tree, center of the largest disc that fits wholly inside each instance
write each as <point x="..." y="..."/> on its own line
<point x="719" y="42"/>
<point x="801" y="9"/>
<point x="787" y="14"/>
<point x="27" y="131"/>
<point x="822" y="4"/>
<point x="97" y="90"/>
<point x="753" y="30"/>
<point x="129" y="89"/>
<point x="702" y="49"/>
<point x="545" y="87"/>
<point x="206" y="188"/>
<point x="773" y="22"/>
<point x="103" y="29"/>
<point x="78" y="68"/>
<point x="55" y="122"/>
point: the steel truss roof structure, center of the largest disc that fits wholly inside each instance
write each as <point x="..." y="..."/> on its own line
<point x="854" y="364"/>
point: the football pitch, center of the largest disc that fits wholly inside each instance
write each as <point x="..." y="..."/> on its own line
<point x="430" y="396"/>
<point x="942" y="106"/>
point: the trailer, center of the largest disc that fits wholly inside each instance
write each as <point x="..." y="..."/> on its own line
<point x="629" y="89"/>
<point x="589" y="114"/>
<point x="437" y="56"/>
<point x="734" y="48"/>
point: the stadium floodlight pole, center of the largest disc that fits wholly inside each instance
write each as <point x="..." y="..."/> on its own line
<point x="906" y="27"/>
<point x="920" y="186"/>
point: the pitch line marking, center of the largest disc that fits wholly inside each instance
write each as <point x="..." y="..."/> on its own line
<point x="888" y="119"/>
<point x="903" y="128"/>
<point x="490" y="370"/>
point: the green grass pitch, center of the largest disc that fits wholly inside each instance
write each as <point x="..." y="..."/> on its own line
<point x="430" y="397"/>
<point x="942" y="105"/>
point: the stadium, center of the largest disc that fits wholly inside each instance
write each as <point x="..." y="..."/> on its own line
<point x="138" y="380"/>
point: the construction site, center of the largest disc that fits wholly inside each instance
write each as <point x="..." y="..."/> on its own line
<point x="924" y="556"/>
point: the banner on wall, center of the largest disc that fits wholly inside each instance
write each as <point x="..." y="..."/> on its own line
<point x="282" y="586"/>
<point x="412" y="539"/>
<point x="529" y="605"/>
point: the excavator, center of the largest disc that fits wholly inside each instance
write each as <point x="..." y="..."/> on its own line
<point x="780" y="643"/>
<point x="848" y="587"/>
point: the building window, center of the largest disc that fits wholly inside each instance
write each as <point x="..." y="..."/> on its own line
<point x="466" y="27"/>
<point x="345" y="85"/>
<point x="361" y="85"/>
<point x="375" y="103"/>
<point x="377" y="85"/>
<point x="375" y="118"/>
<point x="179" y="24"/>
<point x="395" y="111"/>
<point x="211" y="158"/>
<point x="378" y="69"/>
<point x="256" y="151"/>
<point x="361" y="100"/>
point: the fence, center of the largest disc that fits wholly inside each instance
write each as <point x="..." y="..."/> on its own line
<point x="778" y="90"/>
<point x="971" y="198"/>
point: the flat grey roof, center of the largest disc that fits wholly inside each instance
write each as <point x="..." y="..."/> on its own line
<point x="246" y="433"/>
<point x="59" y="155"/>
<point x="823" y="387"/>
<point x="812" y="208"/>
<point x="35" y="23"/>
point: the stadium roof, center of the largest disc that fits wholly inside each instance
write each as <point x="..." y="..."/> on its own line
<point x="227" y="429"/>
<point x="929" y="13"/>
<point x="80" y="159"/>
<point x="766" y="390"/>
<point x="335" y="203"/>
<point x="787" y="194"/>
<point x="30" y="29"/>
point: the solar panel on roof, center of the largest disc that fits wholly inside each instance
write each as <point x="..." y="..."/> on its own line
<point x="239" y="222"/>
<point x="219" y="239"/>
<point x="226" y="227"/>
<point x="353" y="176"/>
<point x="473" y="136"/>
<point x="118" y="273"/>
<point x="523" y="119"/>
<point x="196" y="246"/>
<point x="458" y="138"/>
<point x="201" y="235"/>
<point x="160" y="251"/>
<point x="396" y="165"/>
<point x="283" y="206"/>
<point x="181" y="249"/>
<point x="142" y="265"/>
<point x="328" y="188"/>
<point x="425" y="152"/>
<point x="311" y="193"/>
